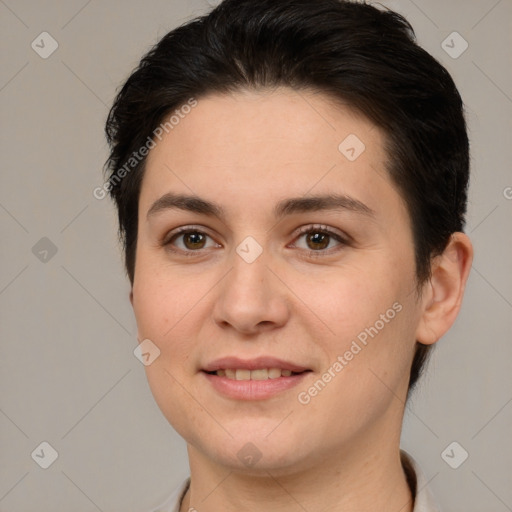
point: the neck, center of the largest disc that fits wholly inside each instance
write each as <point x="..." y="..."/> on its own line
<point x="363" y="479"/>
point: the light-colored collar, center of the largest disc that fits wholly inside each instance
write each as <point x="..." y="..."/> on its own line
<point x="423" y="501"/>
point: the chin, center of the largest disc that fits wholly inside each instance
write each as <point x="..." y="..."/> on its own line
<point x="257" y="455"/>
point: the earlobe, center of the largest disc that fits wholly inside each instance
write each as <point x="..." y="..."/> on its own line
<point x="443" y="293"/>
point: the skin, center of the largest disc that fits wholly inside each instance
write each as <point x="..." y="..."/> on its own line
<point x="246" y="152"/>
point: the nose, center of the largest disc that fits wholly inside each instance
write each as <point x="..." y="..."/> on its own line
<point x="251" y="299"/>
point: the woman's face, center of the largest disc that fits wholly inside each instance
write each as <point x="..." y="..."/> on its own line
<point x="298" y="258"/>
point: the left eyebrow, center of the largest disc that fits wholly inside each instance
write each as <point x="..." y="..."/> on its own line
<point x="323" y="202"/>
<point x="284" y="207"/>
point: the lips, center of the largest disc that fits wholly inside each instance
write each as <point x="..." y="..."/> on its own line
<point x="258" y="363"/>
<point x="253" y="379"/>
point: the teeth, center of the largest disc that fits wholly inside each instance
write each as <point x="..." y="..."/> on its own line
<point x="260" y="374"/>
<point x="243" y="374"/>
<point x="274" y="373"/>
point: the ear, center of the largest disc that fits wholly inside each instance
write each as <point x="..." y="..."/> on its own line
<point x="442" y="294"/>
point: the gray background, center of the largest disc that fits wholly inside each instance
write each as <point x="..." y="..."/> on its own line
<point x="68" y="373"/>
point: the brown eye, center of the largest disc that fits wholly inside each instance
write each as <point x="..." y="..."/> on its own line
<point x="194" y="240"/>
<point x="189" y="242"/>
<point x="317" y="240"/>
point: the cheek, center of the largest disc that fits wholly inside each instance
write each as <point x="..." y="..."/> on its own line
<point x="368" y="322"/>
<point x="161" y="298"/>
<point x="346" y="301"/>
<point x="367" y="364"/>
<point x="164" y="312"/>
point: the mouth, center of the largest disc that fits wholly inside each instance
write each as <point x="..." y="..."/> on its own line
<point x="255" y="379"/>
<point x="258" y="374"/>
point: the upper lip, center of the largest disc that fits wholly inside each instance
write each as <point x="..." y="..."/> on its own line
<point x="257" y="363"/>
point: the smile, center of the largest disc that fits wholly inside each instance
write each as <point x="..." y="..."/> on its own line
<point x="258" y="374"/>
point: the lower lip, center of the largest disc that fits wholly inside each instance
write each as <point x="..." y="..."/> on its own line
<point x="253" y="389"/>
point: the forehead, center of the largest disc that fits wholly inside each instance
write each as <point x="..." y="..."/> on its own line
<point x="257" y="147"/>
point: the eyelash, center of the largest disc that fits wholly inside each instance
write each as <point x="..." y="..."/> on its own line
<point x="317" y="228"/>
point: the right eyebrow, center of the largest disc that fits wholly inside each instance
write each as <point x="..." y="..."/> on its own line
<point x="184" y="202"/>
